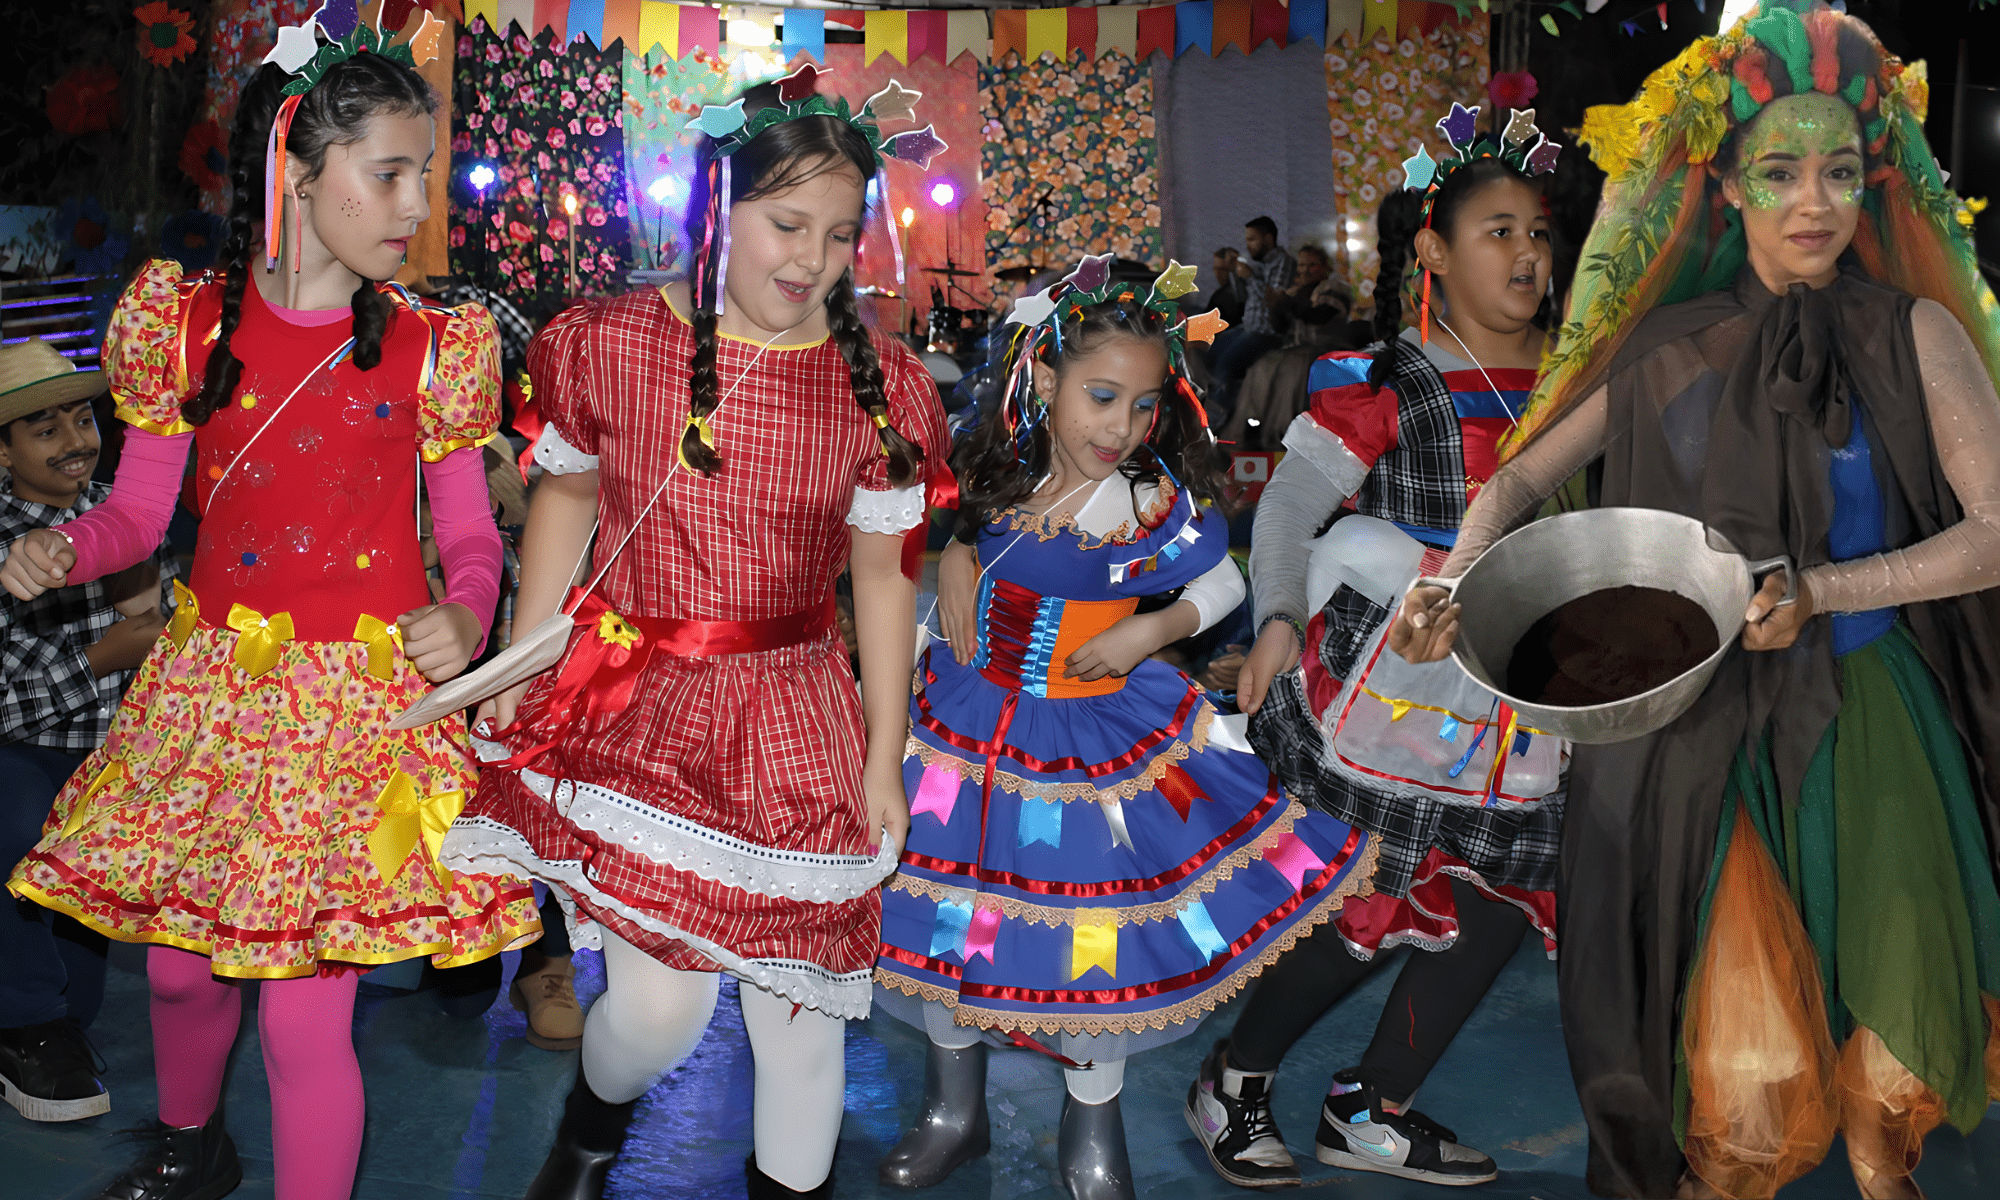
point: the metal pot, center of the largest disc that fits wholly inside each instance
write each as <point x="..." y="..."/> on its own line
<point x="1536" y="569"/>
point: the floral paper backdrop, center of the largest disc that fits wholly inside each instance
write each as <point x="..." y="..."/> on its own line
<point x="1087" y="128"/>
<point x="552" y="124"/>
<point x="661" y="96"/>
<point x="240" y="35"/>
<point x="1383" y="100"/>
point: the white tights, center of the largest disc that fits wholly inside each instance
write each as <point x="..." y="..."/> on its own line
<point x="1097" y="1085"/>
<point x="651" y="1017"/>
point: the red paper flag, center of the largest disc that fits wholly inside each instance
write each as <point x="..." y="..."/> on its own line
<point x="1270" y="21"/>
<point x="852" y="18"/>
<point x="553" y="14"/>
<point x="700" y="26"/>
<point x="927" y="33"/>
<point x="1156" y="32"/>
<point x="1083" y="33"/>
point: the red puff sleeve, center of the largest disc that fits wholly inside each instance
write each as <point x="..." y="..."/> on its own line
<point x="915" y="411"/>
<point x="560" y="373"/>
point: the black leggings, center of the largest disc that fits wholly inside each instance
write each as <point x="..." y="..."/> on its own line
<point x="1432" y="998"/>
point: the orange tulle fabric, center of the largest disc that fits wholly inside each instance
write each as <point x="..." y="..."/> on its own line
<point x="1762" y="1109"/>
<point x="1885" y="1112"/>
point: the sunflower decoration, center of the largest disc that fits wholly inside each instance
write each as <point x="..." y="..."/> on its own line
<point x="166" y="35"/>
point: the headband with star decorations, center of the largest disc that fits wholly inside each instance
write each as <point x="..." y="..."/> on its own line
<point x="300" y="52"/>
<point x="1522" y="147"/>
<point x="1043" y="315"/>
<point x="730" y="130"/>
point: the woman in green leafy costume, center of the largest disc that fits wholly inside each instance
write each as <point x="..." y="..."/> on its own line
<point x="1779" y="914"/>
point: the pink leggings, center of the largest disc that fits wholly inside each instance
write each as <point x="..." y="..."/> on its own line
<point x="306" y="1027"/>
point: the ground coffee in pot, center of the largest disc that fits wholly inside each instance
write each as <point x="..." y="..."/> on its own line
<point x="1610" y="645"/>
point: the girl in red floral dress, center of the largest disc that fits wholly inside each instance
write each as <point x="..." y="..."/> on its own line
<point x="699" y="777"/>
<point x="251" y="815"/>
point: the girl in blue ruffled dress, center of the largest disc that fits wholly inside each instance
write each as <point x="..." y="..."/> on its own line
<point x="1095" y="858"/>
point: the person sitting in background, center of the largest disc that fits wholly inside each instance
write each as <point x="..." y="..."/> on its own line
<point x="1230" y="291"/>
<point x="1274" y="391"/>
<point x="68" y="654"/>
<point x="1265" y="270"/>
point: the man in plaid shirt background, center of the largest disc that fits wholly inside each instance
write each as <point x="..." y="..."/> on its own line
<point x="65" y="658"/>
<point x="1266" y="269"/>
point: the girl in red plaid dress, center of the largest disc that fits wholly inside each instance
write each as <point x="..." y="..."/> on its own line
<point x="699" y="777"/>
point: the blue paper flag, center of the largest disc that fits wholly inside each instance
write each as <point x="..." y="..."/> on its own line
<point x="1308" y="22"/>
<point x="804" y="29"/>
<point x="587" y="17"/>
<point x="1201" y="927"/>
<point x="1194" y="25"/>
<point x="954" y="920"/>
<point x="1041" y="821"/>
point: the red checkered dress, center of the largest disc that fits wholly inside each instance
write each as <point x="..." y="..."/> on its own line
<point x="717" y="821"/>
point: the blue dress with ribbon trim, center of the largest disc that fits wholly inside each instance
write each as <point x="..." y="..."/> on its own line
<point x="1104" y="859"/>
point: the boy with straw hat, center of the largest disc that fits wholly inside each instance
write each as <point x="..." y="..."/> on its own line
<point x="65" y="658"/>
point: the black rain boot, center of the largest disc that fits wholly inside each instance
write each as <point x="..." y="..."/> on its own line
<point x="763" y="1187"/>
<point x="1091" y="1151"/>
<point x="181" y="1164"/>
<point x="951" y="1128"/>
<point x="587" y="1143"/>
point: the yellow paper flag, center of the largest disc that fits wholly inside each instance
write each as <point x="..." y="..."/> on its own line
<point x="659" y="25"/>
<point x="886" y="33"/>
<point x="1048" y="33"/>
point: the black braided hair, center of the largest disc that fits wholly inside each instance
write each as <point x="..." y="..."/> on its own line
<point x="995" y="474"/>
<point x="1397" y="223"/>
<point x="335" y="112"/>
<point x="780" y="158"/>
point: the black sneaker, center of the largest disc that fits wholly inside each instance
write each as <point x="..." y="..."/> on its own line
<point x="1355" y="1132"/>
<point x="49" y="1072"/>
<point x="1230" y="1114"/>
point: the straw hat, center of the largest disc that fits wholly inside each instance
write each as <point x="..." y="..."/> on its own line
<point x="34" y="376"/>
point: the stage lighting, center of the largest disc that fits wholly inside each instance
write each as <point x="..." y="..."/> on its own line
<point x="569" y="203"/>
<point x="942" y="193"/>
<point x="661" y="188"/>
<point x="480" y="177"/>
<point x="907" y="216"/>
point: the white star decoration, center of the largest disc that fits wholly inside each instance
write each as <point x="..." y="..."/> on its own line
<point x="1032" y="310"/>
<point x="295" y="47"/>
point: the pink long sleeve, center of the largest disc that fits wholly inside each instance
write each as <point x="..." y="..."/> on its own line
<point x="468" y="543"/>
<point x="132" y="521"/>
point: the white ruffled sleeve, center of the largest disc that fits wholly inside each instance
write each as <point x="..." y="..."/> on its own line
<point x="558" y="457"/>
<point x="896" y="510"/>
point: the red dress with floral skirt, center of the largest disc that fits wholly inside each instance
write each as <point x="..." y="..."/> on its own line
<point x="715" y="817"/>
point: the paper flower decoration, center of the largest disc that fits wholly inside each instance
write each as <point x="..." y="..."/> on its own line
<point x="1204" y="326"/>
<point x="893" y="103"/>
<point x="295" y="48"/>
<point x="337" y="17"/>
<point x="1520" y="127"/>
<point x="800" y="83"/>
<point x="918" y="146"/>
<point x="205" y="157"/>
<point x="96" y="249"/>
<point x="424" y="43"/>
<point x="1512" y="89"/>
<point x="719" y="120"/>
<point x="1090" y="274"/>
<point x="165" y="34"/>
<point x="396" y="14"/>
<point x="84" y="100"/>
<point x="1176" y="281"/>
<point x="1419" y="169"/>
<point x="1032" y="310"/>
<point x="1460" y="124"/>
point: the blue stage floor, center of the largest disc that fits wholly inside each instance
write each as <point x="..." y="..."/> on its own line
<point x="468" y="1108"/>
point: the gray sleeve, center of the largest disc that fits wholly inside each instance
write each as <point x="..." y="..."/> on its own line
<point x="1299" y="499"/>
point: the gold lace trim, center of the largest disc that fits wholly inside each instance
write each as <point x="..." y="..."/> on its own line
<point x="1360" y="882"/>
<point x="1146" y="780"/>
<point x="1161" y="910"/>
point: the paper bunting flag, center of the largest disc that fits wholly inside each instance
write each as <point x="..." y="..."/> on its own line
<point x="919" y="146"/>
<point x="894" y="103"/>
<point x="719" y="120"/>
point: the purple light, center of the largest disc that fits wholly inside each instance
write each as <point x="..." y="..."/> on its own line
<point x="942" y="193"/>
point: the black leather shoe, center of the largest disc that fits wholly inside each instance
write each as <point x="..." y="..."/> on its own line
<point x="763" y="1187"/>
<point x="181" y="1164"/>
<point x="587" y="1143"/>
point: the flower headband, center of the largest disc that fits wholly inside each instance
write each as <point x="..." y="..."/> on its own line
<point x="726" y="125"/>
<point x="1521" y="146"/>
<point x="1044" y="314"/>
<point x="299" y="52"/>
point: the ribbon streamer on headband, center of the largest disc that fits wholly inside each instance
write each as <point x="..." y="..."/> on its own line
<point x="722" y="260"/>
<point x="274" y="184"/>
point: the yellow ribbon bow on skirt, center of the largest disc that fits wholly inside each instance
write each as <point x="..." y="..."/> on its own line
<point x="259" y="639"/>
<point x="406" y="819"/>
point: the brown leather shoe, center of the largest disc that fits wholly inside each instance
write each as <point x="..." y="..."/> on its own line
<point x="555" y="1019"/>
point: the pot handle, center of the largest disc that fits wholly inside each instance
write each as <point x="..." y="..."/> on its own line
<point x="1782" y="562"/>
